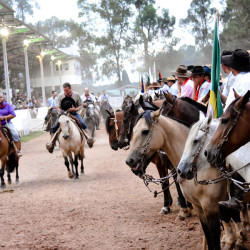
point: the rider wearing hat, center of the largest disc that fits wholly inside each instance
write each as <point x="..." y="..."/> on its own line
<point x="69" y="101"/>
<point x="185" y="84"/>
<point x="173" y="88"/>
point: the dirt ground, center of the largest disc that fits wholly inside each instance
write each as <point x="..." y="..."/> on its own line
<point x="107" y="208"/>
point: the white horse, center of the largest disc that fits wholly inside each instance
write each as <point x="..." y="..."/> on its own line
<point x="193" y="160"/>
<point x="71" y="141"/>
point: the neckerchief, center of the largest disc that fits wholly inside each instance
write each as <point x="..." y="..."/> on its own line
<point x="69" y="94"/>
<point x="185" y="81"/>
<point x="3" y="105"/>
<point x="198" y="89"/>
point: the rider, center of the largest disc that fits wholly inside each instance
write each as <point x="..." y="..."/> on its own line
<point x="105" y="98"/>
<point x="89" y="97"/>
<point x="69" y="101"/>
<point x="6" y="114"/>
<point x="52" y="105"/>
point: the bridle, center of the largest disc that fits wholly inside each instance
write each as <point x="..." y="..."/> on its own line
<point x="171" y="106"/>
<point x="116" y="126"/>
<point x="218" y="152"/>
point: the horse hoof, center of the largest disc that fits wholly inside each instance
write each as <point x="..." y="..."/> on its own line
<point x="165" y="210"/>
<point x="17" y="181"/>
<point x="9" y="182"/>
<point x="70" y="175"/>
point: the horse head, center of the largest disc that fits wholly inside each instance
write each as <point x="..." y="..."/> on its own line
<point x="90" y="110"/>
<point x="147" y="139"/>
<point x="232" y="130"/>
<point x="113" y="127"/>
<point x="64" y="122"/>
<point x="193" y="147"/>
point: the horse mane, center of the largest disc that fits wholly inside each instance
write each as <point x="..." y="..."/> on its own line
<point x="198" y="105"/>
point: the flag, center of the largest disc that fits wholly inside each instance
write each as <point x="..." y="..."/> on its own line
<point x="142" y="85"/>
<point x="214" y="99"/>
<point x="160" y="75"/>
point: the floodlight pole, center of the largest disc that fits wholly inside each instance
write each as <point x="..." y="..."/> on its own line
<point x="40" y="57"/>
<point x="6" y="69"/>
<point x="27" y="72"/>
<point x="52" y="74"/>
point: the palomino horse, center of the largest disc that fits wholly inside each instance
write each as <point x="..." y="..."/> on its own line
<point x="193" y="164"/>
<point x="232" y="132"/>
<point x="154" y="132"/>
<point x="71" y="141"/>
<point x="8" y="158"/>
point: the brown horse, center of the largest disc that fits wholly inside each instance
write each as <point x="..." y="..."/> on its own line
<point x="233" y="130"/>
<point x="8" y="158"/>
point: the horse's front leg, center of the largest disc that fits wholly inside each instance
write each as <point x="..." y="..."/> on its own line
<point x="71" y="162"/>
<point x="66" y="162"/>
<point x="2" y="177"/>
<point x="9" y="177"/>
<point x="76" y="166"/>
<point x="17" y="175"/>
<point x="81" y="156"/>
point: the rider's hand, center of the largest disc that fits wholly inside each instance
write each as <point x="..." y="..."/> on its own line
<point x="2" y="118"/>
<point x="72" y="109"/>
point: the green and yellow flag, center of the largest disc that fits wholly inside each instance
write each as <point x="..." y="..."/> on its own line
<point x="215" y="100"/>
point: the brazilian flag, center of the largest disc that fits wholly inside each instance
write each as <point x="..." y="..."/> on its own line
<point x="215" y="100"/>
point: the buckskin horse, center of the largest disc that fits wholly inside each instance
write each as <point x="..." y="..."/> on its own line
<point x="194" y="166"/>
<point x="71" y="141"/>
<point x="153" y="132"/>
<point x="8" y="157"/>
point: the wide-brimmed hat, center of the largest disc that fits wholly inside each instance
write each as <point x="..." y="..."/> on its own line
<point x="198" y="70"/>
<point x="67" y="103"/>
<point x="171" y="78"/>
<point x="239" y="60"/>
<point x="154" y="85"/>
<point x="181" y="71"/>
<point x="165" y="80"/>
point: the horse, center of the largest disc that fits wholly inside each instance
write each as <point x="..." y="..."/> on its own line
<point x="154" y="132"/>
<point x="89" y="117"/>
<point x="194" y="165"/>
<point x="52" y="116"/>
<point x="8" y="157"/>
<point x="71" y="141"/>
<point x="233" y="130"/>
<point x="103" y="107"/>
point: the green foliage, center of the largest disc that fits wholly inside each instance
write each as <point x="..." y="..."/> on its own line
<point x="199" y="18"/>
<point x="236" y="23"/>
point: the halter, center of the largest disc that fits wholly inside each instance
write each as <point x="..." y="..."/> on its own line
<point x="116" y="126"/>
<point x="171" y="106"/>
<point x="225" y="138"/>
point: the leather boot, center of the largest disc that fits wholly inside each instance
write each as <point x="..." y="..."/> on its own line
<point x="18" y="148"/>
<point x="90" y="140"/>
<point x="50" y="146"/>
<point x="236" y="200"/>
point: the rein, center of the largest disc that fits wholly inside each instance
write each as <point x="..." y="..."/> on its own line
<point x="225" y="138"/>
<point x="171" y="106"/>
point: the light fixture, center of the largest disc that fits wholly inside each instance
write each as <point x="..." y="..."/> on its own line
<point x="52" y="58"/>
<point x="4" y="32"/>
<point x="43" y="53"/>
<point x="26" y="42"/>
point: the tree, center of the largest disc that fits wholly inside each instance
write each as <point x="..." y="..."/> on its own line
<point x="23" y="7"/>
<point x="110" y="35"/>
<point x="125" y="78"/>
<point x="236" y="23"/>
<point x="149" y="25"/>
<point x="198" y="19"/>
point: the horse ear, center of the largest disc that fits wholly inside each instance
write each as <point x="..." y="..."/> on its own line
<point x="157" y="95"/>
<point x="169" y="97"/>
<point x="236" y="95"/>
<point x="156" y="113"/>
<point x="210" y="118"/>
<point x="150" y="99"/>
<point x="131" y="108"/>
<point x="108" y="112"/>
<point x="243" y="100"/>
<point x="141" y="100"/>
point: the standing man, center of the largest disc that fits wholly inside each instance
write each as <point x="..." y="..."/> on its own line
<point x="6" y="115"/>
<point x="185" y="84"/>
<point x="201" y="86"/>
<point x="69" y="101"/>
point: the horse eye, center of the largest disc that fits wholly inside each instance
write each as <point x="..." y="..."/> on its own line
<point x="224" y="120"/>
<point x="145" y="132"/>
<point x="195" y="142"/>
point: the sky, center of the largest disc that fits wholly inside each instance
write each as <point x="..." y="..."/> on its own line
<point x="65" y="10"/>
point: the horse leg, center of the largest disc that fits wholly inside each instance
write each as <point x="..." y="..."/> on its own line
<point x="2" y="177"/>
<point x="17" y="175"/>
<point x="159" y="160"/>
<point x="9" y="177"/>
<point x="66" y="162"/>
<point x="71" y="162"/>
<point x="76" y="166"/>
<point x="245" y="217"/>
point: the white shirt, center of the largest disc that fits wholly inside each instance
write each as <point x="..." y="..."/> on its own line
<point x="229" y="81"/>
<point x="90" y="97"/>
<point x="164" y="88"/>
<point x="174" y="89"/>
<point x="241" y="85"/>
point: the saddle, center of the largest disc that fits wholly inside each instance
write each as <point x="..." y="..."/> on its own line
<point x="6" y="132"/>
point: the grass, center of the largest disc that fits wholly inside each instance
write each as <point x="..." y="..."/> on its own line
<point x="31" y="136"/>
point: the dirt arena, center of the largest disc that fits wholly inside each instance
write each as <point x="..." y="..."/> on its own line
<point x="107" y="208"/>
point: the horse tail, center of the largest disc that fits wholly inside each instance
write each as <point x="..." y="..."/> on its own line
<point x="12" y="162"/>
